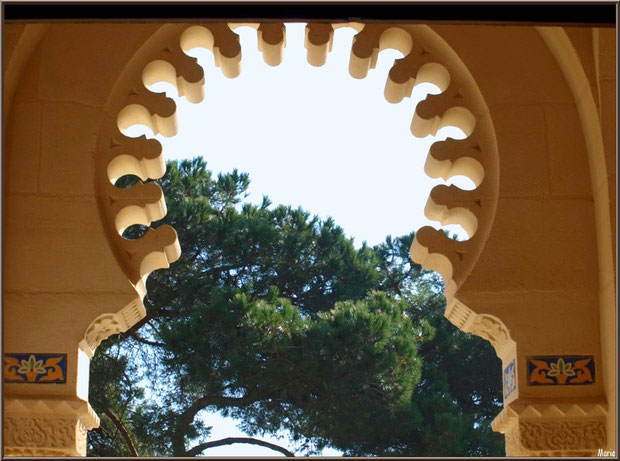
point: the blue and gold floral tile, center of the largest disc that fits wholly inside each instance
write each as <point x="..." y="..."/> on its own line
<point x="510" y="379"/>
<point x="35" y="368"/>
<point x="560" y="370"/>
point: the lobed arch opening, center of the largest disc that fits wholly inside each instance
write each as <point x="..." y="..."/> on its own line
<point x="265" y="118"/>
<point x="426" y="59"/>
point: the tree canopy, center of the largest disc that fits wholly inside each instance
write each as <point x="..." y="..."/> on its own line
<point x="272" y="316"/>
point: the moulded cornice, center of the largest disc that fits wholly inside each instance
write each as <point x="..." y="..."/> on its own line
<point x="48" y="407"/>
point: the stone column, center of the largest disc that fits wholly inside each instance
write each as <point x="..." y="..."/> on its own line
<point x="67" y="285"/>
<point x="553" y="405"/>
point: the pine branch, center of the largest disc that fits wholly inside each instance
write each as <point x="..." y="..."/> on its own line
<point x="195" y="451"/>
<point x="142" y="340"/>
<point x="152" y="325"/>
<point x="219" y="269"/>
<point x="121" y="427"/>
<point x="187" y="417"/>
<point x="138" y="324"/>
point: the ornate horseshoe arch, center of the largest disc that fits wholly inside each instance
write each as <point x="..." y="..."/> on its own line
<point x="548" y="261"/>
<point x="427" y="58"/>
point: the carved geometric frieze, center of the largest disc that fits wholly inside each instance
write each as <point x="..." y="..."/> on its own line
<point x="562" y="435"/>
<point x="556" y="438"/>
<point x="560" y="370"/>
<point x="35" y="368"/>
<point x="47" y="427"/>
<point x="547" y="429"/>
<point x="44" y="436"/>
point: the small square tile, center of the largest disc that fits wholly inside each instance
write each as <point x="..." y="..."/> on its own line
<point x="560" y="370"/>
<point x="510" y="379"/>
<point x="35" y="368"/>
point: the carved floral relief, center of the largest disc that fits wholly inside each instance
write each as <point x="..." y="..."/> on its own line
<point x="40" y="436"/>
<point x="562" y="435"/>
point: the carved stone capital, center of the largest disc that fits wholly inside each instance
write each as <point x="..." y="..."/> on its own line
<point x="47" y="427"/>
<point x="548" y="429"/>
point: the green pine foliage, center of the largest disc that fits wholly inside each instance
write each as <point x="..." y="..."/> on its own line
<point x="272" y="316"/>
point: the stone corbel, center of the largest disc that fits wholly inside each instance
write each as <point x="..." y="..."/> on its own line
<point x="47" y="427"/>
<point x="493" y="330"/>
<point x="553" y="429"/>
<point x="109" y="324"/>
<point x="486" y="326"/>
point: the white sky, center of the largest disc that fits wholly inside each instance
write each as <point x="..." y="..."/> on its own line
<point x="314" y="137"/>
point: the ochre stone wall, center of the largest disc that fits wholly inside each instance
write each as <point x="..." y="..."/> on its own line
<point x="60" y="274"/>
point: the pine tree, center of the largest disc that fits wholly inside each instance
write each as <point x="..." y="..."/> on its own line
<point x="274" y="317"/>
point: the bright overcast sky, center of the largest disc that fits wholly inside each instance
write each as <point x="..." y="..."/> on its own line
<point x="310" y="137"/>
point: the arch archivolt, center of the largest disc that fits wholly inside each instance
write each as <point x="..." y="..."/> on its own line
<point x="426" y="59"/>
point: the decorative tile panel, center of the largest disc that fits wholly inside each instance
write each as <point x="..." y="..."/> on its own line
<point x="510" y="379"/>
<point x="560" y="370"/>
<point x="35" y="368"/>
